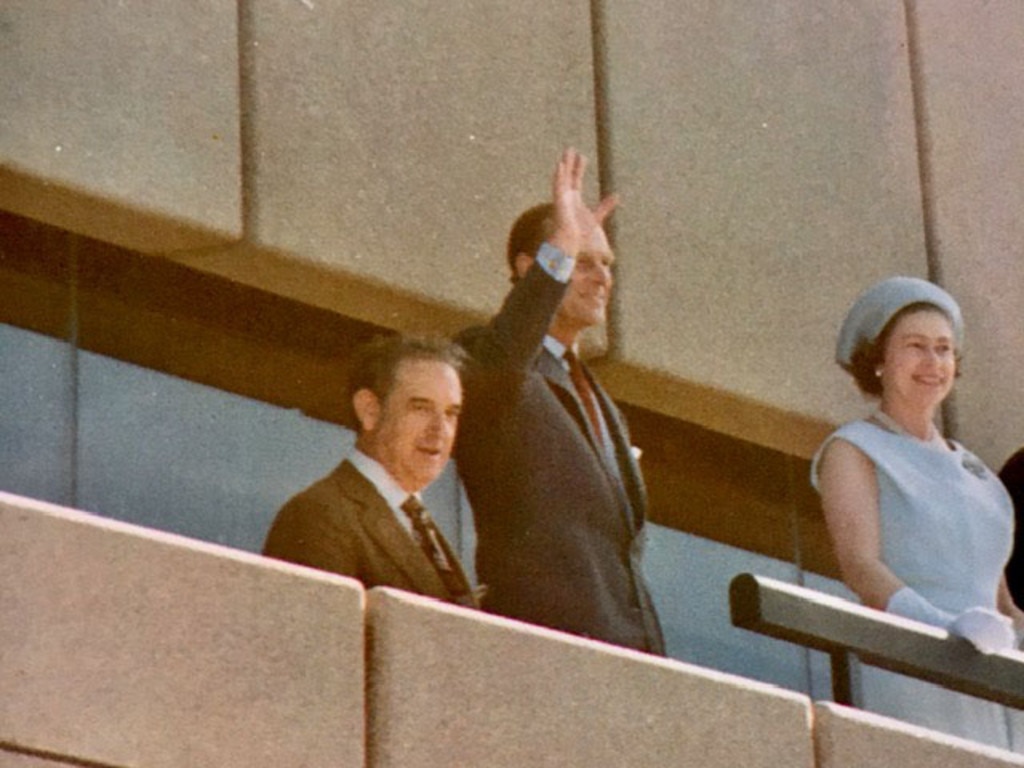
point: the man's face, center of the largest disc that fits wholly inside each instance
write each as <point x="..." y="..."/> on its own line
<point x="585" y="303"/>
<point x="412" y="431"/>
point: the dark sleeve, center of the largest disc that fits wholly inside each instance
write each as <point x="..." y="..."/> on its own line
<point x="1012" y="475"/>
<point x="514" y="336"/>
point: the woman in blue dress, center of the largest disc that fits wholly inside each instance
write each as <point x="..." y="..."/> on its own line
<point x="920" y="526"/>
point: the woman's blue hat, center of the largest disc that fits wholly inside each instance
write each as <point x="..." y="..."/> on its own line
<point x="874" y="308"/>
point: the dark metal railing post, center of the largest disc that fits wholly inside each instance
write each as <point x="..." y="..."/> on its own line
<point x="842" y="692"/>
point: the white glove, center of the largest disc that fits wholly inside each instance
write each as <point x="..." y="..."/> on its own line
<point x="907" y="603"/>
<point x="987" y="630"/>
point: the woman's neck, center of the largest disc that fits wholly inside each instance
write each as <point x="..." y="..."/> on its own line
<point x="913" y="422"/>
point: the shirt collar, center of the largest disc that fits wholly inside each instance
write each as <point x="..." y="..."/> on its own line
<point x="381" y="479"/>
<point x="556" y="348"/>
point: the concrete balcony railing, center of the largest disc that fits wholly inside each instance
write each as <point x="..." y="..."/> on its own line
<point x="121" y="646"/>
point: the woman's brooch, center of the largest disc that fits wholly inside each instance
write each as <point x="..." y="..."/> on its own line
<point x="973" y="465"/>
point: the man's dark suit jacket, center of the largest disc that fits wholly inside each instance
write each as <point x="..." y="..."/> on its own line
<point x="343" y="525"/>
<point x="1012" y="475"/>
<point x="559" y="530"/>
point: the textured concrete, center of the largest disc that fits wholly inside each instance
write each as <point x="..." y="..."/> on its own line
<point x="123" y="646"/>
<point x="449" y="686"/>
<point x="390" y="146"/>
<point x="16" y="760"/>
<point x="767" y="164"/>
<point x="768" y="161"/>
<point x="120" y="120"/>
<point x="969" y="63"/>
<point x="851" y="738"/>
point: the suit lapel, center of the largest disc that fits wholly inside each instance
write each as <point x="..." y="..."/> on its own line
<point x="629" y="469"/>
<point x="558" y="378"/>
<point x="380" y="524"/>
<point x="553" y="370"/>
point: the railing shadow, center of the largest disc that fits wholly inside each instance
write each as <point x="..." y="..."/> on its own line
<point x="839" y="627"/>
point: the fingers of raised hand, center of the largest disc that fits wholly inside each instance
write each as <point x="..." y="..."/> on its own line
<point x="578" y="164"/>
<point x="605" y="208"/>
<point x="569" y="171"/>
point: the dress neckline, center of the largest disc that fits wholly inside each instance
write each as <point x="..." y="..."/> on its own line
<point x="937" y="442"/>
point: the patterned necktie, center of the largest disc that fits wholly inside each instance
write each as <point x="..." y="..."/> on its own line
<point x="429" y="537"/>
<point x="585" y="391"/>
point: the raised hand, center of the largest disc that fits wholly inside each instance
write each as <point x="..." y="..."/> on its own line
<point x="574" y="221"/>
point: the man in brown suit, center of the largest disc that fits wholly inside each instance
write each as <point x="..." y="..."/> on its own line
<point x="365" y="519"/>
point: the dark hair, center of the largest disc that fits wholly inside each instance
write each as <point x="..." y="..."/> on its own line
<point x="374" y="365"/>
<point x="533" y="227"/>
<point x="869" y="355"/>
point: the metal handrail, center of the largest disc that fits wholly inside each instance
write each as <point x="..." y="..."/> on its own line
<point x="839" y="627"/>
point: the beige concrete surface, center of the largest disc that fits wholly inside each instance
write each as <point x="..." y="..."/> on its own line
<point x="121" y="120"/>
<point x="449" y="686"/>
<point x="16" y="760"/>
<point x="767" y="164"/>
<point x="124" y="646"/>
<point x="969" y="67"/>
<point x="845" y="737"/>
<point x="390" y="147"/>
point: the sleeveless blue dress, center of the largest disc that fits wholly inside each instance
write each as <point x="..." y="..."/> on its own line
<point x="947" y="531"/>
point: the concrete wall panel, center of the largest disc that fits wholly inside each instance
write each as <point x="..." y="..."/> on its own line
<point x="391" y="145"/>
<point x="16" y="760"/>
<point x="452" y="687"/>
<point x="969" y="64"/>
<point x="127" y="647"/>
<point x="120" y="120"/>
<point x="767" y="163"/>
<point x="851" y="738"/>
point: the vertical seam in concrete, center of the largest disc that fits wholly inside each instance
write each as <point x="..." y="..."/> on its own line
<point x="603" y="125"/>
<point x="246" y="110"/>
<point x="922" y="128"/>
<point x="819" y="748"/>
<point x="924" y="141"/>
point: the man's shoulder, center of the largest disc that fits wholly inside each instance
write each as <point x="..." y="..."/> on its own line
<point x="343" y="487"/>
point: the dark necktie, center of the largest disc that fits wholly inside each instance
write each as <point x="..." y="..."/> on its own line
<point x="429" y="537"/>
<point x="585" y="391"/>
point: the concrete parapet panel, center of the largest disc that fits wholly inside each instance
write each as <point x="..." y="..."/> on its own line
<point x="851" y="738"/>
<point x="17" y="760"/>
<point x="123" y="646"/>
<point x="449" y="686"/>
<point x="968" y="66"/>
<point x="391" y="145"/>
<point x="766" y="159"/>
<point x="120" y="120"/>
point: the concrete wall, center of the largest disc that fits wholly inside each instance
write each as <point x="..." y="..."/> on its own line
<point x="387" y="145"/>
<point x="448" y="687"/>
<point x="17" y="760"/>
<point x="850" y="738"/>
<point x="121" y="120"/>
<point x="770" y="163"/>
<point x="973" y="126"/>
<point x="123" y="646"/>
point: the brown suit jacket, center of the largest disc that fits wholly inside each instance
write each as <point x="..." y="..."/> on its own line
<point x="343" y="525"/>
